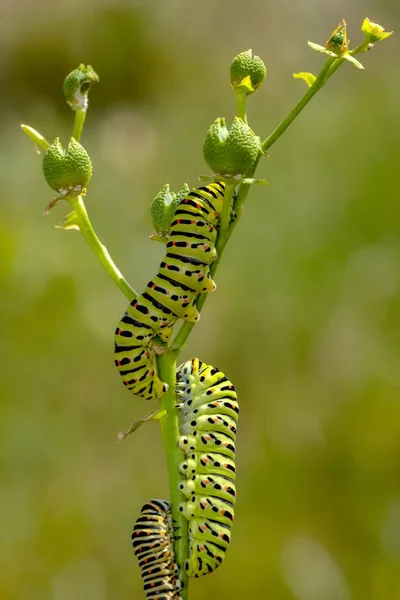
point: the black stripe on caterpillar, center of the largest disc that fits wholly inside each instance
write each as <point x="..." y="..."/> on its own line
<point x="152" y="540"/>
<point x="184" y="273"/>
<point x="209" y="409"/>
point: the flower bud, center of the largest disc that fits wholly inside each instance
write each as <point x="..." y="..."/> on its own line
<point x="77" y="86"/>
<point x="67" y="172"/>
<point x="163" y="208"/>
<point x="247" y="72"/>
<point x="374" y="32"/>
<point x="231" y="152"/>
<point x="338" y="42"/>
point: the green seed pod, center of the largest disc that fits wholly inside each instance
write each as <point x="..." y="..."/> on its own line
<point x="160" y="210"/>
<point x="77" y="86"/>
<point x="163" y="208"/>
<point x="67" y="172"/>
<point x="231" y="153"/>
<point x="245" y="65"/>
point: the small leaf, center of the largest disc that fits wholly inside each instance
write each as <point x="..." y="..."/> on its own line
<point x="155" y="415"/>
<point x="157" y="238"/>
<point x="316" y="47"/>
<point x="252" y="181"/>
<point x="70" y="222"/>
<point x="36" y="137"/>
<point x="245" y="85"/>
<point x="309" y="78"/>
<point x="353" y="60"/>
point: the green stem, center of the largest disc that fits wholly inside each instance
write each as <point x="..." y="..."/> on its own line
<point x="166" y="365"/>
<point x="80" y="116"/>
<point x="225" y="217"/>
<point x="318" y="83"/>
<point x="85" y="226"/>
<point x="241" y="99"/>
<point x="331" y="65"/>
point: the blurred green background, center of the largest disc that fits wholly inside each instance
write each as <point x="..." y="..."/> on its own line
<point x="306" y="319"/>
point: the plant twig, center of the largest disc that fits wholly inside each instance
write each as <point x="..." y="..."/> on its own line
<point x="85" y="226"/>
<point x="166" y="365"/>
<point x="80" y="116"/>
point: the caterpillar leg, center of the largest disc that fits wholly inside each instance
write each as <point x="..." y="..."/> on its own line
<point x="209" y="411"/>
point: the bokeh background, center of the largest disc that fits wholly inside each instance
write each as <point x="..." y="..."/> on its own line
<point x="306" y="319"/>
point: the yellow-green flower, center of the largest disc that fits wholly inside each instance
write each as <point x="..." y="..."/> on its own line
<point x="337" y="45"/>
<point x="374" y="32"/>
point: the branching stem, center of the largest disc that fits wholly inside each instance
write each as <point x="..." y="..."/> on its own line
<point x="166" y="361"/>
<point x="85" y="226"/>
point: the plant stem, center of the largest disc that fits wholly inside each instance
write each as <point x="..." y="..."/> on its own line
<point x="225" y="217"/>
<point x="331" y="65"/>
<point x="167" y="361"/>
<point x="166" y="364"/>
<point x="318" y="83"/>
<point x="80" y="116"/>
<point x="85" y="226"/>
<point x="241" y="99"/>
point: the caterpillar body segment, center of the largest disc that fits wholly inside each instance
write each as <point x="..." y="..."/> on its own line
<point x="184" y="273"/>
<point x="217" y="485"/>
<point x="210" y="541"/>
<point x="199" y="462"/>
<point x="211" y="423"/>
<point x="209" y="411"/>
<point x="208" y="507"/>
<point x="208" y="442"/>
<point x="152" y="540"/>
<point x="135" y="365"/>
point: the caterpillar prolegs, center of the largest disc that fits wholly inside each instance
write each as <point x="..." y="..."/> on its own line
<point x="209" y="410"/>
<point x="184" y="273"/>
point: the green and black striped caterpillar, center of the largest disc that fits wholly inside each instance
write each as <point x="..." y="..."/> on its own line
<point x="152" y="540"/>
<point x="210" y="410"/>
<point x="184" y="273"/>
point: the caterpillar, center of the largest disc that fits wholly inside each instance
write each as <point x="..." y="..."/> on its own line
<point x="184" y="273"/>
<point x="209" y="409"/>
<point x="152" y="540"/>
